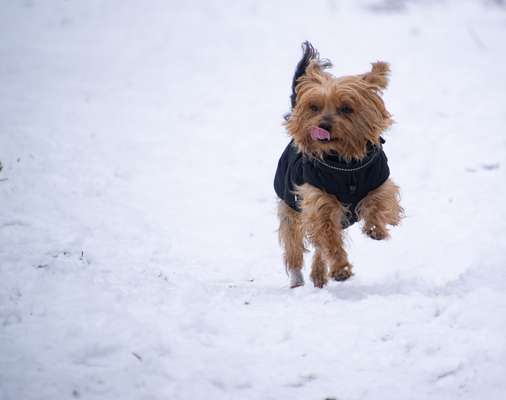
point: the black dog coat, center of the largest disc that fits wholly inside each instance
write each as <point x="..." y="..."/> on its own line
<point x="349" y="182"/>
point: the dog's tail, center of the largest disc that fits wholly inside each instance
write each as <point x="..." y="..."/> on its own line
<point x="309" y="53"/>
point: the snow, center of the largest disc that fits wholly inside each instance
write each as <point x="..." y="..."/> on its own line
<point x="138" y="245"/>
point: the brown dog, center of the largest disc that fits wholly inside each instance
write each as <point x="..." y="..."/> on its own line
<point x="334" y="171"/>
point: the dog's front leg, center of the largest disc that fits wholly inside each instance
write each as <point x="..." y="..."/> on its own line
<point x="291" y="238"/>
<point x="321" y="220"/>
<point x="380" y="208"/>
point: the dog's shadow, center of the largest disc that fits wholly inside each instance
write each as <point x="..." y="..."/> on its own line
<point x="358" y="289"/>
<point x="355" y="290"/>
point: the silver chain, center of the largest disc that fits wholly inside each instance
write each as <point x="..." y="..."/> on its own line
<point x="347" y="169"/>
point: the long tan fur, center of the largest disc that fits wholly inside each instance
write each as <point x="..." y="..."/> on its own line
<point x="320" y="97"/>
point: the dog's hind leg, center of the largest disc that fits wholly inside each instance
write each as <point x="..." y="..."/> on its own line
<point x="322" y="216"/>
<point x="318" y="269"/>
<point x="291" y="238"/>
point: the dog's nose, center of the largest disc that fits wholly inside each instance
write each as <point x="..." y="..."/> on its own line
<point x="325" y="125"/>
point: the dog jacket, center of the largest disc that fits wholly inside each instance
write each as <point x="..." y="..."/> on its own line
<point x="349" y="182"/>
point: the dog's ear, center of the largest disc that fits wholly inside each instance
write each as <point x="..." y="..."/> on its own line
<point x="378" y="76"/>
<point x="310" y="66"/>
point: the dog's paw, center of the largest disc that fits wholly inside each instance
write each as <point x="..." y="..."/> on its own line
<point x="342" y="274"/>
<point x="319" y="279"/>
<point x="319" y="283"/>
<point x="376" y="232"/>
<point x="296" y="278"/>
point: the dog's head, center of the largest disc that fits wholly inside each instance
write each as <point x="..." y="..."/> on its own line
<point x="336" y="115"/>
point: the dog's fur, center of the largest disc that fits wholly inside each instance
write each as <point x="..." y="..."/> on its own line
<point x="353" y="112"/>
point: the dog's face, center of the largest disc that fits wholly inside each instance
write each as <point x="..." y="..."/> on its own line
<point x="338" y="115"/>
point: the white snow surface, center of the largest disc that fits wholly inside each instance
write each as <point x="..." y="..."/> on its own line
<point x="138" y="244"/>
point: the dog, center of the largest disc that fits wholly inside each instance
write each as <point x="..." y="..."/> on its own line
<point x="334" y="171"/>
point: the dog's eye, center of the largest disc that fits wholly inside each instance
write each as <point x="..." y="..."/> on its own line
<point x="314" y="108"/>
<point x="344" y="110"/>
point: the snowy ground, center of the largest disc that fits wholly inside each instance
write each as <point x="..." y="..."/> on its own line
<point x="138" y="246"/>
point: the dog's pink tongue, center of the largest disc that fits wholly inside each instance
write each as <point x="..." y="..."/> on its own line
<point x="319" y="133"/>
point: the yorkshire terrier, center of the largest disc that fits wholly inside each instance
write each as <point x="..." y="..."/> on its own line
<point x="333" y="172"/>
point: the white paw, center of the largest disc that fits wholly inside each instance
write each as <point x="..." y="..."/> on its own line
<point x="296" y="278"/>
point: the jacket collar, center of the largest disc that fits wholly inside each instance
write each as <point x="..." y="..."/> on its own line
<point x="336" y="163"/>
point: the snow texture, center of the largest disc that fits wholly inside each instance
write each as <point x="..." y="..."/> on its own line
<point x="138" y="244"/>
